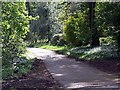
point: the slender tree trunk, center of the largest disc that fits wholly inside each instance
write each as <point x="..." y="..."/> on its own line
<point x="28" y="8"/>
<point x="118" y="41"/>
<point x="95" y="36"/>
<point x="49" y="36"/>
<point x="117" y="36"/>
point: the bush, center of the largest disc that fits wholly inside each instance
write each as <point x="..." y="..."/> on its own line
<point x="14" y="29"/>
<point x="58" y="40"/>
<point x="15" y="26"/>
<point x="20" y="67"/>
<point x="106" y="40"/>
<point x="76" y="31"/>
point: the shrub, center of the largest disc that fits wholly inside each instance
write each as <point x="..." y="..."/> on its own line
<point x="106" y="40"/>
<point x="76" y="31"/>
<point x="15" y="26"/>
<point x="20" y="67"/>
<point x="58" y="40"/>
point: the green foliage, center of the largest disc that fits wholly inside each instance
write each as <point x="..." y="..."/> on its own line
<point x="106" y="40"/>
<point x="108" y="20"/>
<point x="59" y="12"/>
<point x="15" y="25"/>
<point x="101" y="52"/>
<point x="85" y="52"/>
<point x="51" y="47"/>
<point x="60" y="49"/>
<point x="58" y="40"/>
<point x="39" y="27"/>
<point x="20" y="67"/>
<point x="76" y="31"/>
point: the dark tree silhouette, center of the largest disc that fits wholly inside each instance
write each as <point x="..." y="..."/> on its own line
<point x="28" y="7"/>
<point x="95" y="36"/>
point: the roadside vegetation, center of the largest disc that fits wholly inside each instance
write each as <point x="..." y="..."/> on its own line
<point x="88" y="31"/>
<point x="85" y="52"/>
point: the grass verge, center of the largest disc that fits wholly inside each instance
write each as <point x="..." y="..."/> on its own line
<point x="85" y="53"/>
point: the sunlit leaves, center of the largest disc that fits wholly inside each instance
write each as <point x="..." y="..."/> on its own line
<point x="15" y="25"/>
<point x="76" y="31"/>
<point x="108" y="20"/>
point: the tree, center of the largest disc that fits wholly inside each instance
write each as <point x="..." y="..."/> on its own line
<point x="59" y="13"/>
<point x="28" y="8"/>
<point x="109" y="20"/>
<point x="39" y="28"/>
<point x="15" y="26"/>
<point x="95" y="37"/>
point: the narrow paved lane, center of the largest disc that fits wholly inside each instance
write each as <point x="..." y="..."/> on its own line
<point x="72" y="74"/>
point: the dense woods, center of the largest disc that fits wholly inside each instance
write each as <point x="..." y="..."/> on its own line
<point x="82" y="27"/>
<point x="98" y="19"/>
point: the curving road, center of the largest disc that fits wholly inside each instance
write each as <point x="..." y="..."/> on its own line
<point x="75" y="75"/>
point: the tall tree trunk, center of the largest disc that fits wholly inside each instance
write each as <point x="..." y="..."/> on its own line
<point x="28" y="8"/>
<point x="49" y="36"/>
<point x="95" y="36"/>
<point x="117" y="36"/>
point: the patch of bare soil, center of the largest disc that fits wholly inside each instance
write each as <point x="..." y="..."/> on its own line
<point x="38" y="78"/>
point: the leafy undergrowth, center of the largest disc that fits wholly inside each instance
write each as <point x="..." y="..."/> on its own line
<point x="38" y="78"/>
<point x="101" y="52"/>
<point x="20" y="67"/>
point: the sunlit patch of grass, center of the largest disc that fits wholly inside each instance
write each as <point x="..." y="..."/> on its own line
<point x="51" y="47"/>
<point x="85" y="52"/>
<point x="59" y="49"/>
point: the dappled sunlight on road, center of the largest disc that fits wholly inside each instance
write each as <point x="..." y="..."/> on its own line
<point x="73" y="74"/>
